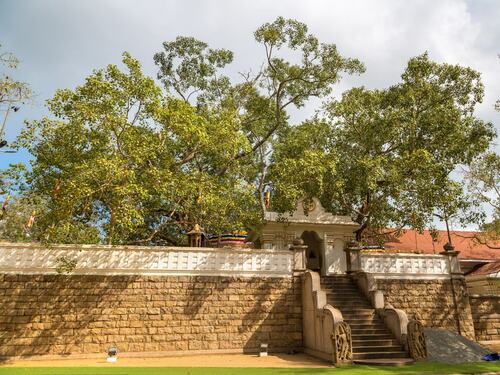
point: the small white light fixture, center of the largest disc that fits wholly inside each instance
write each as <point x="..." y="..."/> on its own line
<point x="263" y="350"/>
<point x="112" y="352"/>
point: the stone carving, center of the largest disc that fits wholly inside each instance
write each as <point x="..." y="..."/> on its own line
<point x="342" y="343"/>
<point x="416" y="340"/>
<point x="309" y="212"/>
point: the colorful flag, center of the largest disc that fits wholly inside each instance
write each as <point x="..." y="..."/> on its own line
<point x="6" y="202"/>
<point x="57" y="188"/>
<point x="31" y="219"/>
<point x="267" y="199"/>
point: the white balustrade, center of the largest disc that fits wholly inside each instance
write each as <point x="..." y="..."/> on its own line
<point x="96" y="259"/>
<point x="398" y="265"/>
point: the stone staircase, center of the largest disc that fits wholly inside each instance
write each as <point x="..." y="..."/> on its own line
<point x="373" y="343"/>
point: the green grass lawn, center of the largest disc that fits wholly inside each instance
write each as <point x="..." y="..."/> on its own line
<point x="421" y="368"/>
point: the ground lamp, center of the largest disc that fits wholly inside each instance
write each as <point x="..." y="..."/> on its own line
<point x="112" y="352"/>
<point x="263" y="350"/>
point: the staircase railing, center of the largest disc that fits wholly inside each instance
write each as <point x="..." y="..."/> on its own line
<point x="325" y="334"/>
<point x="342" y="343"/>
<point x="395" y="319"/>
<point x="416" y="340"/>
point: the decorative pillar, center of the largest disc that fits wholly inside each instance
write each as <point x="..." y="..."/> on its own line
<point x="299" y="255"/>
<point x="452" y="256"/>
<point x="353" y="258"/>
<point x="454" y="266"/>
<point x="267" y="241"/>
<point x="194" y="236"/>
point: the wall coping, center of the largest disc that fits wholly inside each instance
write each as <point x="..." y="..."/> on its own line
<point x="494" y="296"/>
<point x="402" y="254"/>
<point x="34" y="245"/>
<point x="148" y="260"/>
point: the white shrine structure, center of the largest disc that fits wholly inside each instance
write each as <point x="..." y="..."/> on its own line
<point x="324" y="234"/>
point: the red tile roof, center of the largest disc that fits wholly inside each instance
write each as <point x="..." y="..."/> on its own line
<point x="487" y="269"/>
<point x="412" y="241"/>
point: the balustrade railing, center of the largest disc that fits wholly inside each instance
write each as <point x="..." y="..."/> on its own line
<point x="401" y="264"/>
<point x="96" y="259"/>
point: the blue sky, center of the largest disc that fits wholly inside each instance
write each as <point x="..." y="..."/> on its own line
<point x="60" y="42"/>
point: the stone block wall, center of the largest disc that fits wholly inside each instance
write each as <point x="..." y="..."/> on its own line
<point x="431" y="302"/>
<point x="82" y="314"/>
<point x="486" y="315"/>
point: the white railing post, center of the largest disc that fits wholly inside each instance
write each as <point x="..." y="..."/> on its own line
<point x="299" y="255"/>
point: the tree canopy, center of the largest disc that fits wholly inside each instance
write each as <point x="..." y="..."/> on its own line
<point x="13" y="93"/>
<point x="123" y="160"/>
<point x="127" y="159"/>
<point x="385" y="156"/>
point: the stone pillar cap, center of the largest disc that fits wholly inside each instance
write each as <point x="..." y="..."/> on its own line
<point x="448" y="247"/>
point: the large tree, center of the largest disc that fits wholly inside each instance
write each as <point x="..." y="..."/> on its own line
<point x="188" y="68"/>
<point x="116" y="163"/>
<point x="13" y="93"/>
<point x="124" y="161"/>
<point x="483" y="180"/>
<point x="385" y="156"/>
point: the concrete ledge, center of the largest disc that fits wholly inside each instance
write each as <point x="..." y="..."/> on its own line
<point x="159" y="354"/>
<point x="316" y="353"/>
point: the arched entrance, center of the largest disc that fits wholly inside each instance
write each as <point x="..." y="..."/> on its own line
<point x="314" y="260"/>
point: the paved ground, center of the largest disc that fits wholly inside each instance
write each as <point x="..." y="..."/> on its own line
<point x="447" y="347"/>
<point x="221" y="360"/>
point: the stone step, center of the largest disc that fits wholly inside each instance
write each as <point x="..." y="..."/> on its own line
<point x="383" y="354"/>
<point x="372" y="336"/>
<point x="372" y="341"/>
<point x="348" y="300"/>
<point x="346" y="295"/>
<point x="376" y="342"/>
<point x="361" y="317"/>
<point x="377" y="349"/>
<point x="357" y="312"/>
<point x="356" y="321"/>
<point x="361" y="314"/>
<point x="378" y="330"/>
<point x="338" y="285"/>
<point x="342" y="305"/>
<point x="339" y="282"/>
<point x="385" y="362"/>
<point x="352" y="296"/>
<point x="342" y="293"/>
<point x="335" y="277"/>
<point x="361" y="323"/>
<point x="354" y="300"/>
<point x="337" y="289"/>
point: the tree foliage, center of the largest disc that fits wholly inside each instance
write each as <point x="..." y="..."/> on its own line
<point x="483" y="179"/>
<point x="13" y="93"/>
<point x="385" y="156"/>
<point x="125" y="162"/>
<point x="116" y="162"/>
<point x="262" y="99"/>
